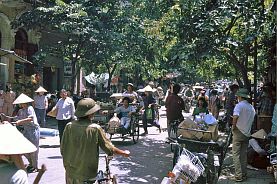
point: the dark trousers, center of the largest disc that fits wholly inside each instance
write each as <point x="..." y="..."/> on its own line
<point x="152" y="121"/>
<point x="61" y="126"/>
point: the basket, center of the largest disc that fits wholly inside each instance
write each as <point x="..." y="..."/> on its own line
<point x="189" y="165"/>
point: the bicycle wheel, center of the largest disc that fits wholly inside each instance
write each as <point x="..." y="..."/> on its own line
<point x="177" y="152"/>
<point x="134" y="129"/>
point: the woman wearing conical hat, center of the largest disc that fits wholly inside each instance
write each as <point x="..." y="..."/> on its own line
<point x="26" y="117"/>
<point x="12" y="146"/>
<point x="41" y="105"/>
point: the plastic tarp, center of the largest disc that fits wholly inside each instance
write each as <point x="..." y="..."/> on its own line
<point x="94" y="78"/>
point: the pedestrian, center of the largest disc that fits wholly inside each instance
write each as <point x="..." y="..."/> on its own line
<point x="160" y="95"/>
<point x="174" y="106"/>
<point x="9" y="97"/>
<point x="41" y="105"/>
<point x="80" y="144"/>
<point x="214" y="104"/>
<point x="231" y="103"/>
<point x="243" y="118"/>
<point x="12" y="145"/>
<point x="26" y="117"/>
<point x="149" y="115"/>
<point x="201" y="107"/>
<point x="65" y="111"/>
<point x="133" y="96"/>
<point x="257" y="152"/>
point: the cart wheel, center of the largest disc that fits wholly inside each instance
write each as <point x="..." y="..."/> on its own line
<point x="135" y="131"/>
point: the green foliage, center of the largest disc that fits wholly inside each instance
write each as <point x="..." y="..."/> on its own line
<point x="202" y="39"/>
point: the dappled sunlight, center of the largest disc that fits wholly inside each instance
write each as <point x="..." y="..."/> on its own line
<point x="149" y="162"/>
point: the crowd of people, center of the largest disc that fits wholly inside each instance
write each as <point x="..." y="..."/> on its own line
<point x="77" y="126"/>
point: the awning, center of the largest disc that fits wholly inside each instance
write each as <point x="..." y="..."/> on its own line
<point x="11" y="54"/>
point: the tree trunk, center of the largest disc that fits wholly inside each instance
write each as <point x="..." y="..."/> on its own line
<point x="241" y="68"/>
<point x="73" y="63"/>
<point x="111" y="72"/>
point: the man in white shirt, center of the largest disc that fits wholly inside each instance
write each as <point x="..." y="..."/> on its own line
<point x="65" y="111"/>
<point x="243" y="118"/>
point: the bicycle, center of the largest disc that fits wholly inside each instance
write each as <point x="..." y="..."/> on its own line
<point x="172" y="131"/>
<point x="104" y="177"/>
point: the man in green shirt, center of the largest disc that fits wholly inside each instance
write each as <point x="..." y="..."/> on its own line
<point x="80" y="144"/>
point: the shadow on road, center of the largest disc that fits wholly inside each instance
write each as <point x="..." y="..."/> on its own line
<point x="148" y="162"/>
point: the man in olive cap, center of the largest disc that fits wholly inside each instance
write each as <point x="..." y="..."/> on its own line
<point x="80" y="144"/>
<point x="243" y="118"/>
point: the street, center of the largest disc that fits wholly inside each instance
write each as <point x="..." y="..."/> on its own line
<point x="150" y="160"/>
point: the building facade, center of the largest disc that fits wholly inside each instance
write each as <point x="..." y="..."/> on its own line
<point x="25" y="43"/>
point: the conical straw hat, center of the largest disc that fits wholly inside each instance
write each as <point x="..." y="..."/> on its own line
<point x="41" y="89"/>
<point x="13" y="142"/>
<point x="22" y="99"/>
<point x="261" y="134"/>
<point x="148" y="89"/>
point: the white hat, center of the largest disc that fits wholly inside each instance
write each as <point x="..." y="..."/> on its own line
<point x="148" y="89"/>
<point x="13" y="142"/>
<point x="261" y="134"/>
<point x="41" y="89"/>
<point x="22" y="99"/>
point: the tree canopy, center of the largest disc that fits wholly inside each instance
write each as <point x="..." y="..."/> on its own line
<point x="202" y="39"/>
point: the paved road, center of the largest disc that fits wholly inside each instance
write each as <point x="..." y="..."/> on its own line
<point x="150" y="160"/>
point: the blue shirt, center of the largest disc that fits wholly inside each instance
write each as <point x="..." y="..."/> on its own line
<point x="124" y="111"/>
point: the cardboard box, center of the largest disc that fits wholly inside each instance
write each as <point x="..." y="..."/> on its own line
<point x="188" y="129"/>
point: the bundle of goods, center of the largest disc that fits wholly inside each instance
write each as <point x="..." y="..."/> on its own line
<point x="187" y="169"/>
<point x="113" y="125"/>
<point x="204" y="128"/>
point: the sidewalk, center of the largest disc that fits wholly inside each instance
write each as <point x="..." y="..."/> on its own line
<point x="259" y="176"/>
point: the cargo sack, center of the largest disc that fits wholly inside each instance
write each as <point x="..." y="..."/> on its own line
<point x="189" y="134"/>
<point x="113" y="125"/>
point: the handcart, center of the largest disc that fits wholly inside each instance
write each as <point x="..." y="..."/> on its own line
<point x="211" y="153"/>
